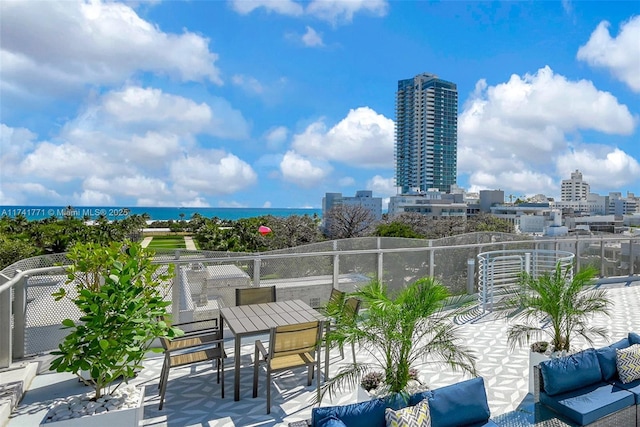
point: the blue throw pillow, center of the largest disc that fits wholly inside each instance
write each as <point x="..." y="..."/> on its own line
<point x="414" y="399"/>
<point x="607" y="358"/>
<point x="364" y="414"/>
<point x="331" y="421"/>
<point x="571" y="372"/>
<point x="459" y="404"/>
<point x="634" y="338"/>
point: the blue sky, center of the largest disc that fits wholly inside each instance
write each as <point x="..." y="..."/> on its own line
<point x="273" y="103"/>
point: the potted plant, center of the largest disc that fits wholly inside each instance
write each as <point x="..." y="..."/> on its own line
<point x="556" y="306"/>
<point x="398" y="331"/>
<point x="119" y="293"/>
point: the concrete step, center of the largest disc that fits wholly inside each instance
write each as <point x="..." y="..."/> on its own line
<point x="14" y="382"/>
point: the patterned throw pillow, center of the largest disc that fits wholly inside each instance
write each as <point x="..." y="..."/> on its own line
<point x="411" y="416"/>
<point x="628" y="363"/>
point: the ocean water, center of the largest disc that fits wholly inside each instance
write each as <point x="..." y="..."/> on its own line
<point x="34" y="213"/>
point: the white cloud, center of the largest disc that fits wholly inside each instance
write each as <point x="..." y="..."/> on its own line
<point x="342" y="11"/>
<point x="601" y="166"/>
<point x="65" y="162"/>
<point x="382" y="186"/>
<point x="266" y="204"/>
<point x="198" y="202"/>
<point x="276" y="136"/>
<point x="333" y="11"/>
<point x="311" y="38"/>
<point x="248" y="84"/>
<point x="5" y="200"/>
<point x="212" y="173"/>
<point x="14" y="144"/>
<point x="283" y="7"/>
<point x="621" y="55"/>
<point x="93" y="198"/>
<point x="363" y="139"/>
<point x="55" y="47"/>
<point x="347" y="181"/>
<point x="302" y="171"/>
<point x="141" y="109"/>
<point x="511" y="133"/>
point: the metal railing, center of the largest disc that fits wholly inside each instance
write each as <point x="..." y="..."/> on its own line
<point x="205" y="281"/>
<point x="500" y="271"/>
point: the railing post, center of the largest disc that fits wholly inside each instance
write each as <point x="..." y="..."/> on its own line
<point x="527" y="263"/>
<point x="471" y="270"/>
<point x="631" y="269"/>
<point x="5" y="325"/>
<point x="256" y="271"/>
<point x="19" y="316"/>
<point x="431" y="260"/>
<point x="577" y="253"/>
<point x="336" y="265"/>
<point x="176" y="291"/>
<point x="601" y="256"/>
<point x="380" y="256"/>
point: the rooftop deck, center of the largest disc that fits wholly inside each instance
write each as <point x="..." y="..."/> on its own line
<point x="193" y="397"/>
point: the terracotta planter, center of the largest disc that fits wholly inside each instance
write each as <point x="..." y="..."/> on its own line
<point x="127" y="417"/>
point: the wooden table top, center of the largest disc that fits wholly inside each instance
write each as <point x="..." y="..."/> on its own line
<point x="258" y="318"/>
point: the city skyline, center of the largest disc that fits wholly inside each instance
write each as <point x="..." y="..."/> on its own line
<point x="275" y="103"/>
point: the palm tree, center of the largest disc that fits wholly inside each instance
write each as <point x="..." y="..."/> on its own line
<point x="556" y="305"/>
<point x="398" y="331"/>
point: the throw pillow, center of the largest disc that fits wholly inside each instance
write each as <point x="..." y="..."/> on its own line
<point x="628" y="363"/>
<point x="411" y="416"/>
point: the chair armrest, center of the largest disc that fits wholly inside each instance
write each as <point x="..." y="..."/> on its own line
<point x="260" y="348"/>
<point x="537" y="383"/>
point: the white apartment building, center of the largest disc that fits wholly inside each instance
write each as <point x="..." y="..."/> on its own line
<point x="432" y="203"/>
<point x="574" y="189"/>
<point x="362" y="198"/>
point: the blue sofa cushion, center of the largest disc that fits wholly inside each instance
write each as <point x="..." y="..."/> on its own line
<point x="572" y="372"/>
<point x="364" y="414"/>
<point x="632" y="387"/>
<point x="414" y="399"/>
<point x="607" y="359"/>
<point x="461" y="404"/>
<point x="588" y="404"/>
<point x="489" y="423"/>
<point x="331" y="421"/>
<point x="634" y="338"/>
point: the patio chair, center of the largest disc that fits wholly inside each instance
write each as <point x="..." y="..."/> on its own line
<point x="290" y="347"/>
<point x="202" y="341"/>
<point x="245" y="296"/>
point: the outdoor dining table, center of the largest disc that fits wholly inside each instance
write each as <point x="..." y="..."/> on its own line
<point x="255" y="319"/>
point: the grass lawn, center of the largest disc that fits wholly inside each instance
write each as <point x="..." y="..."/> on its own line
<point x="167" y="242"/>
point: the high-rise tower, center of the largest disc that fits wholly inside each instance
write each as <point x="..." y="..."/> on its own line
<point x="426" y="145"/>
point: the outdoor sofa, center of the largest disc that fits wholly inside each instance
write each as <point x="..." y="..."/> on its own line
<point x="586" y="387"/>
<point x="463" y="404"/>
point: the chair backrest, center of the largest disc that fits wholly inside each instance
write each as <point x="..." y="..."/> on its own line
<point x="295" y="339"/>
<point x="352" y="307"/>
<point x="336" y="296"/>
<point x="259" y="295"/>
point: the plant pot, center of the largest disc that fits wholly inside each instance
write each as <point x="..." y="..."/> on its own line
<point x="361" y="395"/>
<point x="127" y="417"/>
<point x="534" y="359"/>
